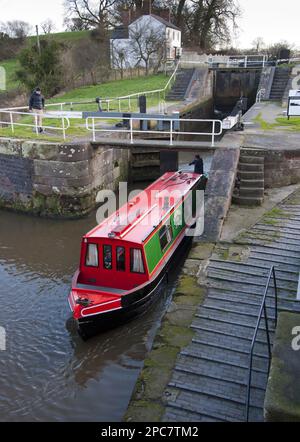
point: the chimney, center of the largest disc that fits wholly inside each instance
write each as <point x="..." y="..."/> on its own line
<point x="146" y="7"/>
<point x="165" y="14"/>
<point x="125" y="17"/>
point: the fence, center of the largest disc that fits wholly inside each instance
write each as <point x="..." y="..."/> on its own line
<point x="121" y="104"/>
<point x="65" y="122"/>
<point x="172" y="129"/>
<point x="245" y="61"/>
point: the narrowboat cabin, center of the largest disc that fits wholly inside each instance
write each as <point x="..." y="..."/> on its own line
<point x="125" y="258"/>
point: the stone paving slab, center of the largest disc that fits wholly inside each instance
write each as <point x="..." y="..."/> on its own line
<point x="225" y="322"/>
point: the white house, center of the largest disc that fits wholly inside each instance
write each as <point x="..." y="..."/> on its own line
<point x="128" y="42"/>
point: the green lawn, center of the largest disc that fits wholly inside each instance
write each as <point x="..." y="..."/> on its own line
<point x="111" y="89"/>
<point x="293" y="124"/>
<point x="10" y="67"/>
<point x="63" y="36"/>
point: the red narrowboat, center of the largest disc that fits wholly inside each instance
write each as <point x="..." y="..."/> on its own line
<point x="125" y="258"/>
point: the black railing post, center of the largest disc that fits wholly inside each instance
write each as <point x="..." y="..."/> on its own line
<point x="276" y="295"/>
<point x="263" y="308"/>
<point x="249" y="387"/>
<point x="268" y="336"/>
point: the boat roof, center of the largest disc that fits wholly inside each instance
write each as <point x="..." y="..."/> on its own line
<point x="136" y="220"/>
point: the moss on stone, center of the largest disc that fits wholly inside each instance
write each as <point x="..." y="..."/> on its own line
<point x="189" y="300"/>
<point x="148" y="399"/>
<point x="145" y="411"/>
<point x="201" y="251"/>
<point x="282" y="402"/>
<point x="276" y="212"/>
<point x="187" y="285"/>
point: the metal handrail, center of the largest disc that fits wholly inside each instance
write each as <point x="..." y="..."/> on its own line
<point x="172" y="131"/>
<point x="109" y="100"/>
<point x="65" y="122"/>
<point x="260" y="94"/>
<point x="263" y="310"/>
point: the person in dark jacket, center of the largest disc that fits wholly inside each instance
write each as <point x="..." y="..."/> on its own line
<point x="36" y="106"/>
<point x="198" y="165"/>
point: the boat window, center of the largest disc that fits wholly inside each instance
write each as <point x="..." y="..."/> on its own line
<point x="121" y="258"/>
<point x="136" y="261"/>
<point x="165" y="236"/>
<point x="107" y="257"/>
<point x="91" y="258"/>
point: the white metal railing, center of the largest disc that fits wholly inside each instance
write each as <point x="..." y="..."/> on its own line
<point x="65" y="122"/>
<point x="230" y="60"/>
<point x="260" y="95"/>
<point x="172" y="131"/>
<point x="108" y="102"/>
<point x="247" y="60"/>
<point x="239" y="61"/>
<point x="119" y="103"/>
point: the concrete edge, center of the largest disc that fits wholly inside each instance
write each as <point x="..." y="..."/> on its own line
<point x="150" y="395"/>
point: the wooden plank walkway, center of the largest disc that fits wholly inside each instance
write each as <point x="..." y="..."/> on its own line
<point x="209" y="381"/>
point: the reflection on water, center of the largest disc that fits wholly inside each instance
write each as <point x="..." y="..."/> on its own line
<point x="47" y="371"/>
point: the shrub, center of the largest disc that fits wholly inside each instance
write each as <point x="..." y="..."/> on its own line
<point x="41" y="69"/>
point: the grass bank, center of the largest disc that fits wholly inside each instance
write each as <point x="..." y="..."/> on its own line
<point x="293" y="124"/>
<point x="11" y="65"/>
<point x="105" y="90"/>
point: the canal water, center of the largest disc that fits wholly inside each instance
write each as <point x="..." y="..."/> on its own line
<point x="47" y="372"/>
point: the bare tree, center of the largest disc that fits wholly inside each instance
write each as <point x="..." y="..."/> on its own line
<point x="18" y="29"/>
<point x="120" y="59"/>
<point x="75" y="24"/>
<point x="275" y="50"/>
<point x="48" y="26"/>
<point x="87" y="62"/>
<point x="258" y="44"/>
<point x="212" y="21"/>
<point x="92" y="12"/>
<point x="148" y="45"/>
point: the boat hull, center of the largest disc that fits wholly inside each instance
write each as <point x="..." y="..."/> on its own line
<point x="132" y="305"/>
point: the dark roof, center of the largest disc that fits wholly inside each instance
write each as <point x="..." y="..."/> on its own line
<point x="165" y="22"/>
<point x="120" y="32"/>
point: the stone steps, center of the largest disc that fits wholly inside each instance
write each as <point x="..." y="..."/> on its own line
<point x="250" y="167"/>
<point x="226" y="372"/>
<point x="253" y="192"/>
<point x="280" y="82"/>
<point x="249" y="190"/>
<point x="251" y="159"/>
<point x="209" y="382"/>
<point x="209" y="407"/>
<point x="256" y="183"/>
<point x="250" y="175"/>
<point x="180" y="87"/>
<point x="247" y="201"/>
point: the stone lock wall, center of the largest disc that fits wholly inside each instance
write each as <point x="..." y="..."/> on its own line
<point x="282" y="168"/>
<point x="57" y="180"/>
<point x="231" y="84"/>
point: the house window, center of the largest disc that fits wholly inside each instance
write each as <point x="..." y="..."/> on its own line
<point x="121" y="263"/>
<point x="136" y="261"/>
<point x="107" y="257"/>
<point x="165" y="236"/>
<point x="91" y="258"/>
